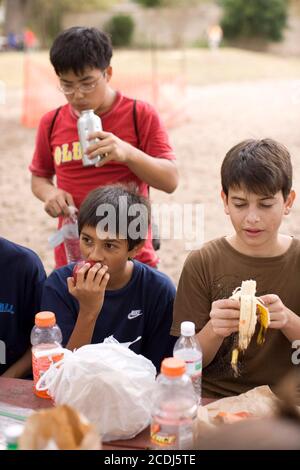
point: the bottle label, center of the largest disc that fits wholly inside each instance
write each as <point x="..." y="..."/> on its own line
<point x="41" y="361"/>
<point x="194" y="368"/>
<point x="172" y="434"/>
<point x="56" y="238"/>
<point x="13" y="446"/>
<point x="70" y="230"/>
<point x="87" y="124"/>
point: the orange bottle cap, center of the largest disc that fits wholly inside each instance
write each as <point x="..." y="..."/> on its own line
<point x="45" y="319"/>
<point x="173" y="367"/>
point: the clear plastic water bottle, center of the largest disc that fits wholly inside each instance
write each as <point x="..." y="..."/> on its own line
<point x="88" y="123"/>
<point x="189" y="350"/>
<point x="46" y="339"/>
<point x="174" y="408"/>
<point x="71" y="236"/>
<point x="12" y="434"/>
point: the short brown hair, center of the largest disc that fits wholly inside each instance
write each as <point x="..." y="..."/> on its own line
<point x="261" y="166"/>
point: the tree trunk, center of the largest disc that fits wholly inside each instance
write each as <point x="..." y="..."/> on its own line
<point x="15" y="16"/>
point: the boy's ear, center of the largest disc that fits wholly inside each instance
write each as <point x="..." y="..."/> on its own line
<point x="132" y="253"/>
<point x="108" y="73"/>
<point x="225" y="202"/>
<point x="289" y="202"/>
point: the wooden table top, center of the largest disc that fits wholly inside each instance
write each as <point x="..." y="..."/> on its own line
<point x="20" y="393"/>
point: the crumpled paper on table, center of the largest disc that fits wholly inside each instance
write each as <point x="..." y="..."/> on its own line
<point x="260" y="402"/>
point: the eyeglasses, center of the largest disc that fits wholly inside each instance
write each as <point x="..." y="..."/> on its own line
<point x="82" y="87"/>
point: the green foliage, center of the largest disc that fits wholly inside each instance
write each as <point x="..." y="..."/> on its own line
<point x="184" y="3"/>
<point x="120" y="27"/>
<point x="254" y="18"/>
<point x="88" y="5"/>
<point x="45" y="16"/>
<point x="169" y="3"/>
<point x="149" y="3"/>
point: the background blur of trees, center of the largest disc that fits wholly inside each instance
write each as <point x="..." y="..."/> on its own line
<point x="44" y="17"/>
<point x="120" y="28"/>
<point x="167" y="3"/>
<point x="264" y="19"/>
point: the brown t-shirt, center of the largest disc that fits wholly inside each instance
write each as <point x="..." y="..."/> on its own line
<point x="212" y="273"/>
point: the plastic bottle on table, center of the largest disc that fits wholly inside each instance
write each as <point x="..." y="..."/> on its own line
<point x="174" y="408"/>
<point x="12" y="434"/>
<point x="189" y="350"/>
<point x="46" y="339"/>
<point x="71" y="236"/>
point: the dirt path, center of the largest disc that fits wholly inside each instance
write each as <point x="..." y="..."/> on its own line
<point x="218" y="117"/>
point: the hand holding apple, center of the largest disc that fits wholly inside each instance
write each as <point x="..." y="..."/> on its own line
<point x="80" y="265"/>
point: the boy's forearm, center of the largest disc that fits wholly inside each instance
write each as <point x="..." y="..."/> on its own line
<point x="158" y="173"/>
<point x="41" y="187"/>
<point x="20" y="368"/>
<point x="210" y="343"/>
<point x="83" y="331"/>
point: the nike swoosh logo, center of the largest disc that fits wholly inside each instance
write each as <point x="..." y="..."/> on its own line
<point x="134" y="314"/>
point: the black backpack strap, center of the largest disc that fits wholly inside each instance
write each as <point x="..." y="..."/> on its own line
<point x="136" y="125"/>
<point x="52" y="123"/>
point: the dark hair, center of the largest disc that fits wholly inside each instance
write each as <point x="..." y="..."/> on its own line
<point x="261" y="166"/>
<point x="77" y="48"/>
<point x="123" y="216"/>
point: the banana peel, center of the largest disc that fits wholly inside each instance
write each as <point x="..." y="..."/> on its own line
<point x="250" y="306"/>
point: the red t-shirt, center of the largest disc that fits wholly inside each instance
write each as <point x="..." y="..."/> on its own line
<point x="62" y="155"/>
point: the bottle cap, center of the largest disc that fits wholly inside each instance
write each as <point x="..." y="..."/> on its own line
<point x="45" y="319"/>
<point x="72" y="210"/>
<point x="173" y="367"/>
<point x="187" y="328"/>
<point x="13" y="432"/>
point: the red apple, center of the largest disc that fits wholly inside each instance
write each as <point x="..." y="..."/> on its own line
<point x="79" y="265"/>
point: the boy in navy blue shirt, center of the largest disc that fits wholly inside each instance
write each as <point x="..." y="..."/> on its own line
<point x="117" y="296"/>
<point x="21" y="278"/>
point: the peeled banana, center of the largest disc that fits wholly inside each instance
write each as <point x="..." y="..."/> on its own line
<point x="250" y="306"/>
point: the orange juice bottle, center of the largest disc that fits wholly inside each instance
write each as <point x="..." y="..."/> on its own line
<point x="46" y="339"/>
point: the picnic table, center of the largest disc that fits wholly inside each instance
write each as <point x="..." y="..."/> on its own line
<point x="19" y="393"/>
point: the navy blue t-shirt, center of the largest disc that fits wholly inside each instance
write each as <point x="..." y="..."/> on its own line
<point x="143" y="307"/>
<point x="21" y="279"/>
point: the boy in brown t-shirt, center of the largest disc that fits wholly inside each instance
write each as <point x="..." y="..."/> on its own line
<point x="256" y="192"/>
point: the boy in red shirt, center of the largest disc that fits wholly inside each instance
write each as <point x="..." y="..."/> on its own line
<point x="134" y="139"/>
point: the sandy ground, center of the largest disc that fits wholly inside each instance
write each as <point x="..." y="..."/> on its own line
<point x="217" y="117"/>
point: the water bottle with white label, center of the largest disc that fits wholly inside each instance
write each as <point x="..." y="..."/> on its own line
<point x="12" y="434"/>
<point x="88" y="123"/>
<point x="189" y="350"/>
<point x="174" y="408"/>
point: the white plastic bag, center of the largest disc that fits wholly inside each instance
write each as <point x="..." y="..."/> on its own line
<point x="108" y="383"/>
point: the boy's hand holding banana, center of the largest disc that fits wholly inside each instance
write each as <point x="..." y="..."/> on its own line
<point x="250" y="307"/>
